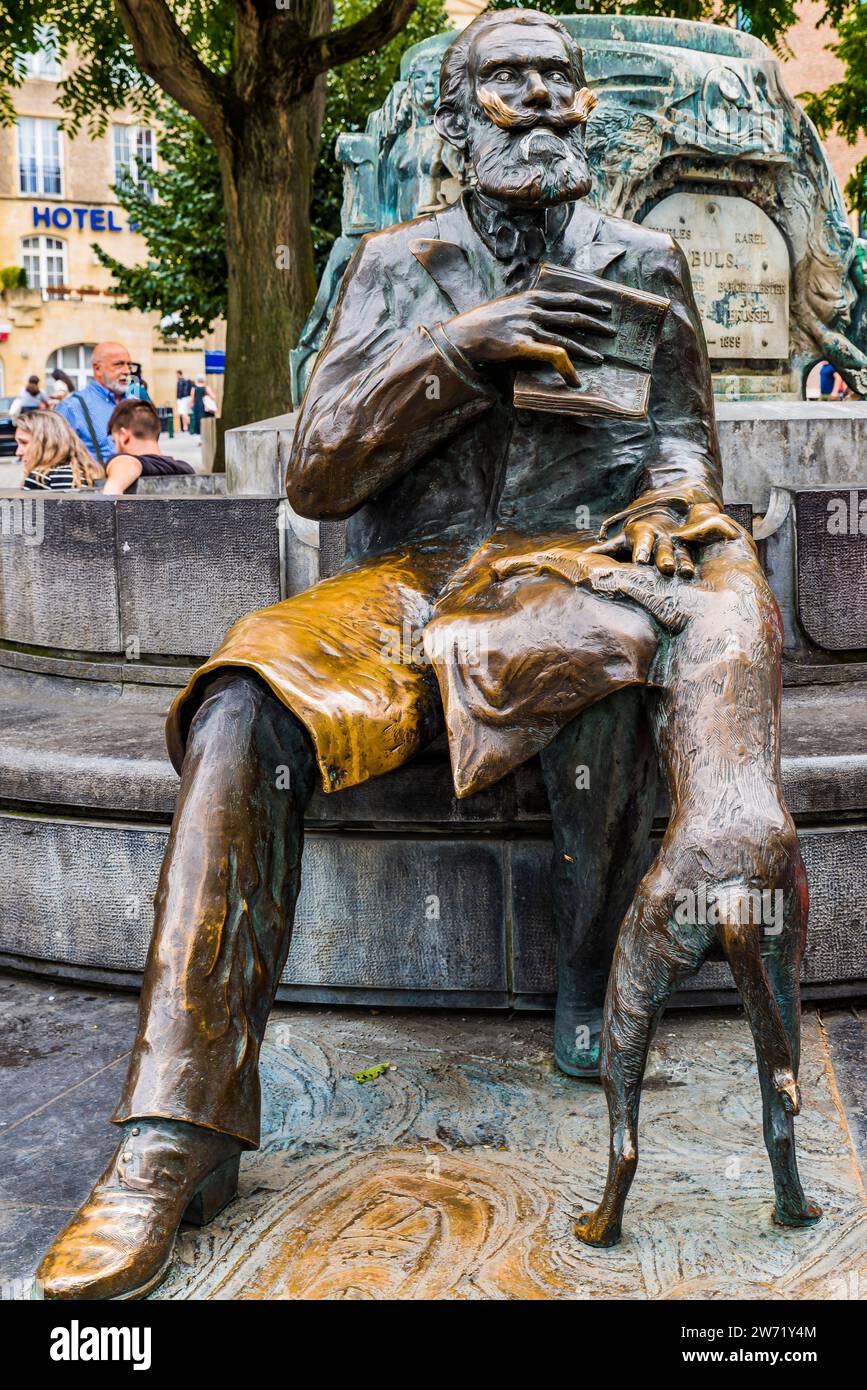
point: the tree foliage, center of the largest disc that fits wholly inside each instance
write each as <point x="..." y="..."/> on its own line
<point x="844" y="105"/>
<point x="353" y="91"/>
<point x="185" y="274"/>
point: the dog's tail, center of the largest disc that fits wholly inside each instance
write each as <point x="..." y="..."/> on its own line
<point x="741" y="945"/>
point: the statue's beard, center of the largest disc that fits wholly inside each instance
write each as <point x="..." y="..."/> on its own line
<point x="537" y="166"/>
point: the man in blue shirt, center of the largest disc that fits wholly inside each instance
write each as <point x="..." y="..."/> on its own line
<point x="88" y="411"/>
<point x="827" y="381"/>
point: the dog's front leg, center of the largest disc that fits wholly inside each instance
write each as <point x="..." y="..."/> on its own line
<point x="650" y="961"/>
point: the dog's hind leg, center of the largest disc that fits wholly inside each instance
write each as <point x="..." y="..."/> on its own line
<point x="649" y="963"/>
<point x="770" y="992"/>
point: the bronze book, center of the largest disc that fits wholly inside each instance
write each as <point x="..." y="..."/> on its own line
<point x="620" y="385"/>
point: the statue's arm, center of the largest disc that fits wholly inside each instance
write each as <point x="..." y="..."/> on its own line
<point x="682" y="464"/>
<point x="383" y="394"/>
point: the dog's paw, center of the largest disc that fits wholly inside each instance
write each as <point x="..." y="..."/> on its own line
<point x="594" y="1230"/>
<point x="806" y="1213"/>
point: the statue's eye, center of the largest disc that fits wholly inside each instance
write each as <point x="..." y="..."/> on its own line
<point x="504" y="75"/>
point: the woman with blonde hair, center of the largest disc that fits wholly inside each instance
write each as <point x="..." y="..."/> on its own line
<point x="54" y="458"/>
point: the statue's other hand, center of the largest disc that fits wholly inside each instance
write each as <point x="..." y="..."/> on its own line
<point x="575" y="566"/>
<point x="664" y="540"/>
<point x="532" y="326"/>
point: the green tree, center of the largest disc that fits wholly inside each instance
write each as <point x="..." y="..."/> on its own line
<point x="185" y="274"/>
<point x="253" y="74"/>
<point x="844" y="105"/>
<point x="185" y="277"/>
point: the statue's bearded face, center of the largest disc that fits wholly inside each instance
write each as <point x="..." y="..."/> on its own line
<point x="525" y="117"/>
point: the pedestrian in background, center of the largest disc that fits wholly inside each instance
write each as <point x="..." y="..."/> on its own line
<point x="135" y="428"/>
<point x="200" y="391"/>
<point x="31" y="398"/>
<point x="88" y="411"/>
<point x="54" y="458"/>
<point x="185" y="400"/>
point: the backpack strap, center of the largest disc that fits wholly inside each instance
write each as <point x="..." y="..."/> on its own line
<point x="88" y="420"/>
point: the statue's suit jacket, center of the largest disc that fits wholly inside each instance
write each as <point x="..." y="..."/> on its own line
<point x="439" y="474"/>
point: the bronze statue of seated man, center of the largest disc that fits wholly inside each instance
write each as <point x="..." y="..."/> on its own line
<point x="409" y="429"/>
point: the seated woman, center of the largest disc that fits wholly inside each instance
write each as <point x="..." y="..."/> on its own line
<point x="135" y="428"/>
<point x="54" y="458"/>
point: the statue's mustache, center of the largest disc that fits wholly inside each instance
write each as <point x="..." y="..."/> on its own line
<point x="507" y="118"/>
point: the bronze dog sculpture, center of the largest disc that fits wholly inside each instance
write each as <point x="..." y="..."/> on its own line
<point x="715" y="785"/>
<point x="410" y="429"/>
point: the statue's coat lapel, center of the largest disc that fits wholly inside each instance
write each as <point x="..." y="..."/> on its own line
<point x="465" y="271"/>
<point x="449" y="268"/>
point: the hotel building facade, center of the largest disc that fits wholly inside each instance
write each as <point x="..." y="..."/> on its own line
<point x="56" y="202"/>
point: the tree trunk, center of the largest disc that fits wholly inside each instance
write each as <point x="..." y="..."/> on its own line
<point x="267" y="173"/>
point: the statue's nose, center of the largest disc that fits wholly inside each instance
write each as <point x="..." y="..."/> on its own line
<point x="535" y="91"/>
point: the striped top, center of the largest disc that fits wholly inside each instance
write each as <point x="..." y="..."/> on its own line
<point x="57" y="479"/>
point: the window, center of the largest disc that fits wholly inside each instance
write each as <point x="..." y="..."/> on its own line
<point x="74" y="360"/>
<point x="134" y="156"/>
<point x="44" y="259"/>
<point x="39" y="163"/>
<point x="44" y="62"/>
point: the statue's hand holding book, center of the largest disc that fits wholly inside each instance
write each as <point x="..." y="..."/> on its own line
<point x="548" y="326"/>
<point x="617" y="381"/>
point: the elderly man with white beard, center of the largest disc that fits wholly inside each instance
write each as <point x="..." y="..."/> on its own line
<point x="409" y="429"/>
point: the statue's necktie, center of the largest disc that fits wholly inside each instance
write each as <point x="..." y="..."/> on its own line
<point x="522" y="249"/>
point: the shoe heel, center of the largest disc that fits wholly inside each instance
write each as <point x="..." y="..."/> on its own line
<point x="214" y="1193"/>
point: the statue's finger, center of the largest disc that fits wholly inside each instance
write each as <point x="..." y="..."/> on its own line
<point x="556" y="357"/>
<point x="612" y="546"/>
<point x="683" y="560"/>
<point x="718" y="527"/>
<point x="643" y="537"/>
<point x="664" y="555"/>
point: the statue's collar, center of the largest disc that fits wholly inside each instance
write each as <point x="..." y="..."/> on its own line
<point x="510" y="232"/>
<point x="451" y="257"/>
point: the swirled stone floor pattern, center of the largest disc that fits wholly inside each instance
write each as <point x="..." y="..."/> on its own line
<point x="458" y="1174"/>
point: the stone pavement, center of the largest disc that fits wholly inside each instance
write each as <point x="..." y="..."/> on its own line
<point x="457" y="1174"/>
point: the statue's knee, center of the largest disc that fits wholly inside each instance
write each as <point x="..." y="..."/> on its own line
<point x="239" y="720"/>
<point x="226" y="699"/>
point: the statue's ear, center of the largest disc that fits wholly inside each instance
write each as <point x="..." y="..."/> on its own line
<point x="451" y="125"/>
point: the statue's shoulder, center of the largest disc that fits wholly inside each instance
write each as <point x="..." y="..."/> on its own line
<point x="393" y="244"/>
<point x="656" y="250"/>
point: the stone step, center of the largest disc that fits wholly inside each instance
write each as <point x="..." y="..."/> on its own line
<point x="409" y="897"/>
<point x="400" y="919"/>
<point x="100" y="748"/>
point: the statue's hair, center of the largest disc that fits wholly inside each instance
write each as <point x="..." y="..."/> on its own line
<point x="453" y="73"/>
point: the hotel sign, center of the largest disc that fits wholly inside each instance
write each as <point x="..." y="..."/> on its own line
<point x="85" y="219"/>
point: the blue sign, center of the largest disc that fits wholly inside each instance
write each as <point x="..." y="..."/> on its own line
<point x="215" y="363"/>
<point x="96" y="219"/>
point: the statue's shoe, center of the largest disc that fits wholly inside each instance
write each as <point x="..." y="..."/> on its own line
<point x="577" y="1037"/>
<point x="119" y="1244"/>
